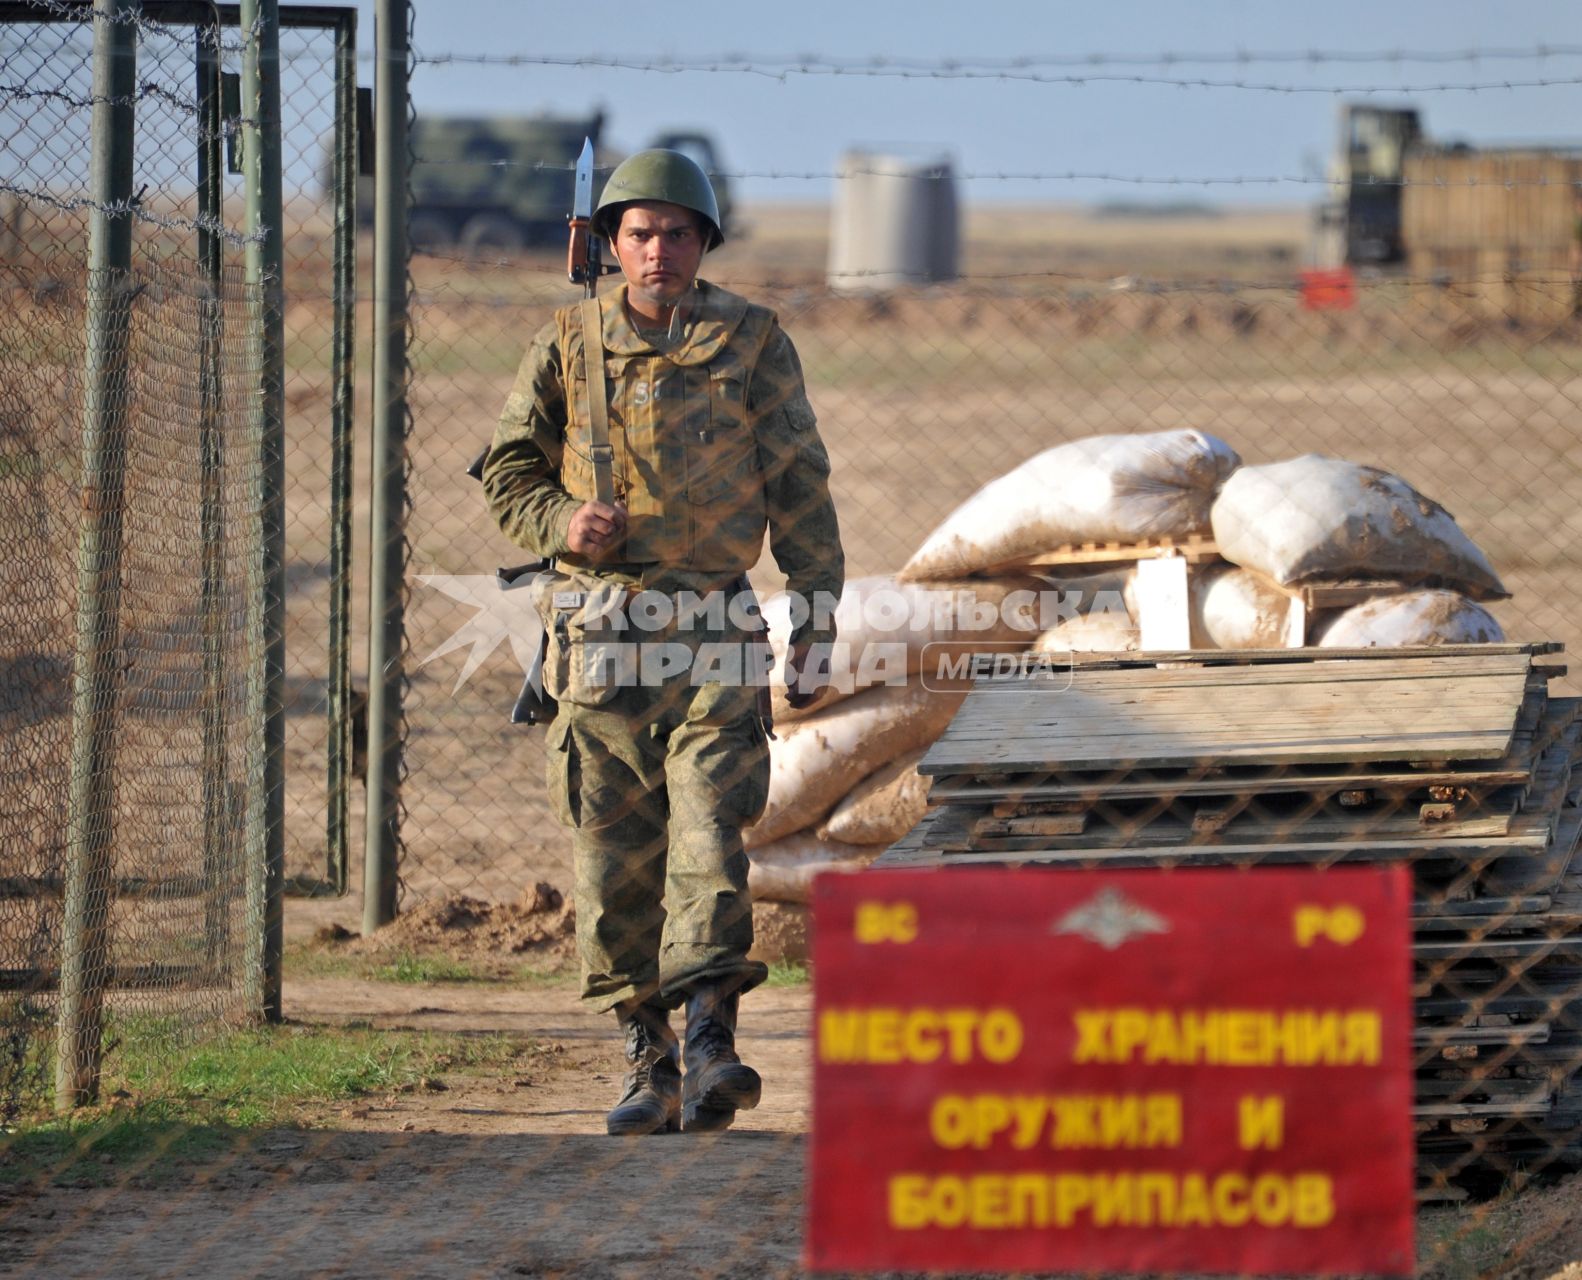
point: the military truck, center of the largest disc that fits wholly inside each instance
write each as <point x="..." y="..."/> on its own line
<point x="496" y="185"/>
<point x="1360" y="223"/>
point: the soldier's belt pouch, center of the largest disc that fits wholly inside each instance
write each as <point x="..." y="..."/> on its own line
<point x="587" y="656"/>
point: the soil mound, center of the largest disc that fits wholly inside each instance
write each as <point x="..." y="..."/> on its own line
<point x="540" y="925"/>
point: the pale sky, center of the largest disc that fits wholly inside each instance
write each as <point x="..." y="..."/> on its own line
<point x="803" y="123"/>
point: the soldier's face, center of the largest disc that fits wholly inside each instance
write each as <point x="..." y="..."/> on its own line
<point x="660" y="247"/>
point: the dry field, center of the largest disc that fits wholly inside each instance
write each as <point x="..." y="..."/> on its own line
<point x="1064" y="324"/>
<point x="923" y="397"/>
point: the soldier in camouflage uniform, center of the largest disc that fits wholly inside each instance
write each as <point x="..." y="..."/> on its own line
<point x="713" y="443"/>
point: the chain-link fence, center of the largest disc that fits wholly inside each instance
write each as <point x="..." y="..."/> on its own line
<point x="1461" y="373"/>
<point x="925" y="395"/>
<point x="148" y="596"/>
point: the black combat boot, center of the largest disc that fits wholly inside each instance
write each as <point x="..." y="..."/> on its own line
<point x="717" y="1084"/>
<point x="651" y="1093"/>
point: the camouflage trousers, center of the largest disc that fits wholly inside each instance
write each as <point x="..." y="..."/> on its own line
<point x="656" y="782"/>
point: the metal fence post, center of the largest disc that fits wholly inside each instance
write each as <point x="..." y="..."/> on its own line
<point x="344" y="365"/>
<point x="211" y="461"/>
<point x="387" y="544"/>
<point x="266" y="591"/>
<point x="85" y="954"/>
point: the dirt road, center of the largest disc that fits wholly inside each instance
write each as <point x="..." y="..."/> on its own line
<point x="512" y="1176"/>
<point x="508" y="1177"/>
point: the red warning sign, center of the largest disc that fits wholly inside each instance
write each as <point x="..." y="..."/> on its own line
<point x="1137" y="1071"/>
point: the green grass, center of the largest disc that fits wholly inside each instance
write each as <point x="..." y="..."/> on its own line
<point x="785" y="973"/>
<point x="408" y="967"/>
<point x="1463" y="1242"/>
<point x="169" y="1104"/>
<point x="317" y="960"/>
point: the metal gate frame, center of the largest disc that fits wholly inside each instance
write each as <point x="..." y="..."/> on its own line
<point x="84" y="975"/>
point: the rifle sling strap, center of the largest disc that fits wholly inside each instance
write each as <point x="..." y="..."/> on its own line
<point x="599" y="452"/>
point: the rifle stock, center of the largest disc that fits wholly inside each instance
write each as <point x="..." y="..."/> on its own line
<point x="578" y="255"/>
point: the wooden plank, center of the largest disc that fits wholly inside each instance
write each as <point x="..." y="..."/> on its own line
<point x="911" y="850"/>
<point x="1165" y="749"/>
<point x="1545" y="870"/>
<point x="958" y="830"/>
<point x="1023" y="809"/>
<point x="1193" y="549"/>
<point x="1448" y="716"/>
<point x="1311" y="670"/>
<point x="1325" y="782"/>
<point x="1525" y="1033"/>
<point x="912" y="859"/>
<point x="1297" y="657"/>
<point x="1053" y="824"/>
<point x="1532" y="1006"/>
<point x="1545" y="809"/>
<point x="1496" y="948"/>
<point x="1316" y="853"/>
<point x="1532" y="1106"/>
<point x="1494" y="1089"/>
<point x="1479" y="926"/>
<point x="1470" y="910"/>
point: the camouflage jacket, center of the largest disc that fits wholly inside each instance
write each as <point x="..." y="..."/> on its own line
<point x="714" y="442"/>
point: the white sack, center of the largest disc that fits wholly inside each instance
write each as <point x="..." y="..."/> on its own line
<point x="1090" y="633"/>
<point x="1315" y="518"/>
<point x="1102" y="489"/>
<point x="783" y="871"/>
<point x="1417" y="617"/>
<point x="812" y="762"/>
<point x="883" y="626"/>
<point x="1238" y="609"/>
<point x="883" y="807"/>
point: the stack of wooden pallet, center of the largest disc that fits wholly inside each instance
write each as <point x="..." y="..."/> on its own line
<point x="1456" y="760"/>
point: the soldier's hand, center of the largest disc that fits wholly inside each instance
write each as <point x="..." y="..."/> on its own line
<point x="807" y="674"/>
<point x="596" y="528"/>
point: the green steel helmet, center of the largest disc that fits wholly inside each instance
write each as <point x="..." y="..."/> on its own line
<point x="658" y="174"/>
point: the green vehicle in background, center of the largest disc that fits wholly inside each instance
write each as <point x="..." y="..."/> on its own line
<point x="499" y="184"/>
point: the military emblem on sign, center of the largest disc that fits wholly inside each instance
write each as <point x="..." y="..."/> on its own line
<point x="1110" y="919"/>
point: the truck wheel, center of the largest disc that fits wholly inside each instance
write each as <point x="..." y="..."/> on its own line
<point x="430" y="231"/>
<point x="490" y="234"/>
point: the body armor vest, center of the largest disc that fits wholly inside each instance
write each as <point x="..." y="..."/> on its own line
<point x="685" y="449"/>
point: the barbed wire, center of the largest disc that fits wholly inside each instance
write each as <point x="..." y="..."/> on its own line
<point x="809" y="61"/>
<point x="812" y="63"/>
<point x="1129" y="283"/>
<point x="146" y="90"/>
<point x="85" y="14"/>
<point x="1051" y="175"/>
<point x="667" y="66"/>
<point x="1237" y="57"/>
<point x="135" y="211"/>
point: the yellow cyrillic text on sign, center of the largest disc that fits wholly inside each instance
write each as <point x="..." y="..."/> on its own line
<point x="1066" y="1122"/>
<point x="1342" y="924"/>
<point x="1229" y="1037"/>
<point x="1011" y="1201"/>
<point x="888" y="1035"/>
